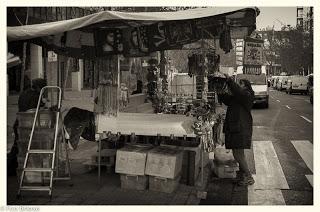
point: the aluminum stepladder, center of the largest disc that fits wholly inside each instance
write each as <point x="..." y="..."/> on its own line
<point x="49" y="152"/>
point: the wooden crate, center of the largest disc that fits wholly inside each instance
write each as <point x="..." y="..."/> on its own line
<point x="107" y="159"/>
<point x="135" y="182"/>
<point x="107" y="156"/>
<point x="165" y="185"/>
<point x="164" y="162"/>
<point x="131" y="159"/>
<point x="226" y="170"/>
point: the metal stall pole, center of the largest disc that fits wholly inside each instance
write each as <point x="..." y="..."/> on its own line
<point x="202" y="70"/>
<point x="99" y="158"/>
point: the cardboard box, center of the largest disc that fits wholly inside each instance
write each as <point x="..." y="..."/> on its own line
<point x="164" y="162"/>
<point x="165" y="185"/>
<point x="190" y="164"/>
<point x="131" y="159"/>
<point x="135" y="182"/>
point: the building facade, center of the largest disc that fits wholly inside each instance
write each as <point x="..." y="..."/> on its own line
<point x="69" y="73"/>
<point x="305" y="18"/>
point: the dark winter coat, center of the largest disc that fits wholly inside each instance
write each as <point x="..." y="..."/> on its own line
<point x="79" y="122"/>
<point x="238" y="122"/>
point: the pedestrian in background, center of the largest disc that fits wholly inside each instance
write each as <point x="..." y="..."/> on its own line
<point x="238" y="124"/>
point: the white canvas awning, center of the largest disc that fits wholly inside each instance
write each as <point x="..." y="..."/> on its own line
<point x="115" y="19"/>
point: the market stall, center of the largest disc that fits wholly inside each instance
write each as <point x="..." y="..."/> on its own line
<point x="106" y="35"/>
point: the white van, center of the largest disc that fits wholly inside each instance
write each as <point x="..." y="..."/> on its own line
<point x="259" y="85"/>
<point x="297" y="84"/>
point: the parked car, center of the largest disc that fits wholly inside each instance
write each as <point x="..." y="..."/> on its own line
<point x="297" y="84"/>
<point x="310" y="87"/>
<point x="310" y="81"/>
<point x="311" y="95"/>
<point x="260" y="87"/>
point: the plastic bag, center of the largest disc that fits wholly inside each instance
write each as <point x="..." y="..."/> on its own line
<point x="222" y="154"/>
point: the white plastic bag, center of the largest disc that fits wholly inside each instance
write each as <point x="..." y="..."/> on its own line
<point x="223" y="155"/>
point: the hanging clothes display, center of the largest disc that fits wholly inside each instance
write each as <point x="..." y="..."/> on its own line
<point x="225" y="39"/>
<point x="106" y="99"/>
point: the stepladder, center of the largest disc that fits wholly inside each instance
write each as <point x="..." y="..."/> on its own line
<point x="43" y="146"/>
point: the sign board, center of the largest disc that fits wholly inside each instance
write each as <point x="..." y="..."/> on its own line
<point x="52" y="57"/>
<point x="239" y="52"/>
<point x="255" y="70"/>
<point x="239" y="62"/>
<point x="253" y="53"/>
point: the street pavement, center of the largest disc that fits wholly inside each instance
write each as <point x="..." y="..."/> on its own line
<point x="281" y="160"/>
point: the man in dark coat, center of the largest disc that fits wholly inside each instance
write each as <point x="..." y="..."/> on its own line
<point x="238" y="124"/>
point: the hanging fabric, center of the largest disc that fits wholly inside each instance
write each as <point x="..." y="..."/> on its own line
<point x="106" y="100"/>
<point x="225" y="39"/>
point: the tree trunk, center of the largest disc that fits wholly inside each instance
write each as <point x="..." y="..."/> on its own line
<point x="23" y="67"/>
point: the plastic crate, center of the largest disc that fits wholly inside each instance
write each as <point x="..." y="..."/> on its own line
<point x="135" y="182"/>
<point x="165" y="185"/>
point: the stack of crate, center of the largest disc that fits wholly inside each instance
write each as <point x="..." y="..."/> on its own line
<point x="43" y="138"/>
<point x="164" y="167"/>
<point x="131" y="165"/>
